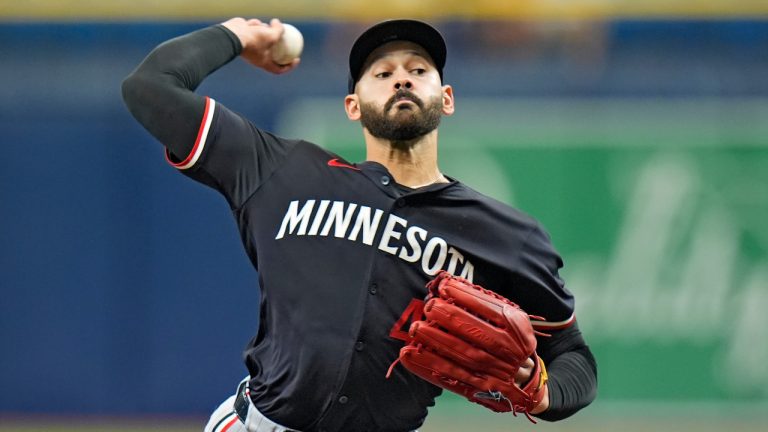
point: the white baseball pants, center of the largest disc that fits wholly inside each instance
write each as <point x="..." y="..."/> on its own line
<point x="225" y="418"/>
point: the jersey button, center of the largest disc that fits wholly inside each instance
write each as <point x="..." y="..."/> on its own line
<point x="359" y="346"/>
<point x="343" y="400"/>
<point x="384" y="180"/>
<point x="400" y="202"/>
<point x="373" y="289"/>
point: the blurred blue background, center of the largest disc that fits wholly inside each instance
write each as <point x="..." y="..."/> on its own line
<point x="125" y="289"/>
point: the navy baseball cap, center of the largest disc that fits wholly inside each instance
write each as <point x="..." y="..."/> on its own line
<point x="414" y="31"/>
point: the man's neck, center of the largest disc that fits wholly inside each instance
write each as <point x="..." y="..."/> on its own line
<point x="412" y="164"/>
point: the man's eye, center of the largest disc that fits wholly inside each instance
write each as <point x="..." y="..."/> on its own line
<point x="419" y="71"/>
<point x="383" y="74"/>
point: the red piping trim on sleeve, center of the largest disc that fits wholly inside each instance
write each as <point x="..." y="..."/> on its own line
<point x="202" y="135"/>
<point x="229" y="425"/>
<point x="546" y="325"/>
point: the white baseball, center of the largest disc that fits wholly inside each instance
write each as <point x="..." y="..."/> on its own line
<point x="289" y="46"/>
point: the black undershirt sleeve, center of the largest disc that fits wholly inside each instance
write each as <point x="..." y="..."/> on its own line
<point x="160" y="92"/>
<point x="572" y="372"/>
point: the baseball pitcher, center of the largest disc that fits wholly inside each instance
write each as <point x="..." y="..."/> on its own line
<point x="382" y="282"/>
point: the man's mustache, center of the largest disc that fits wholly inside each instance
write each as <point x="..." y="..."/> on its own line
<point x="400" y="95"/>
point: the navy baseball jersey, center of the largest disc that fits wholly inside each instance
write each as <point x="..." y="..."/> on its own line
<point x="343" y="254"/>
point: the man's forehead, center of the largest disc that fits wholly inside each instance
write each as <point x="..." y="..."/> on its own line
<point x="397" y="47"/>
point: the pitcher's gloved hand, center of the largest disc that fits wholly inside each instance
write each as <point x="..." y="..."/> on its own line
<point x="475" y="342"/>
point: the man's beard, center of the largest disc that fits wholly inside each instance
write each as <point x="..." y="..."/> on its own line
<point x="404" y="123"/>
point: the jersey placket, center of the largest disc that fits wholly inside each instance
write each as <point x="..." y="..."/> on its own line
<point x="346" y="399"/>
<point x="386" y="283"/>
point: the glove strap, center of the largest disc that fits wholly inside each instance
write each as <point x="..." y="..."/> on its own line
<point x="536" y="387"/>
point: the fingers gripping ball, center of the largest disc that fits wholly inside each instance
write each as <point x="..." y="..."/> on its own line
<point x="288" y="47"/>
<point x="473" y="342"/>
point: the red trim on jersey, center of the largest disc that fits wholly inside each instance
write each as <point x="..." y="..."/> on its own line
<point x="229" y="425"/>
<point x="200" y="138"/>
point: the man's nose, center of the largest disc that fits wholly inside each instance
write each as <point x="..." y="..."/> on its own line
<point x="403" y="82"/>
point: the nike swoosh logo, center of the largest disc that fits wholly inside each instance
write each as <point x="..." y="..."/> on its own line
<point x="337" y="164"/>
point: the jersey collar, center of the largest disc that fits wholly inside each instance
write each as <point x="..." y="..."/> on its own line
<point x="383" y="179"/>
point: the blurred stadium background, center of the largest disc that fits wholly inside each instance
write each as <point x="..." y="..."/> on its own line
<point x="636" y="131"/>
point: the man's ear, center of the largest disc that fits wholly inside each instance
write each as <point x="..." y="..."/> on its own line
<point x="448" y="102"/>
<point x="352" y="106"/>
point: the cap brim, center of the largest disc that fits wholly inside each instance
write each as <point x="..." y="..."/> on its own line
<point x="414" y="31"/>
